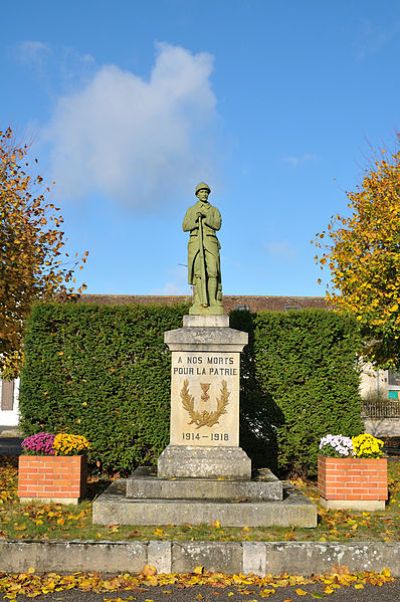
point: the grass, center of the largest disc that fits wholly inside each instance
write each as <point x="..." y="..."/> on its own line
<point x="56" y="521"/>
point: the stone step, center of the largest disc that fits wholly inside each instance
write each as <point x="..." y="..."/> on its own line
<point x="114" y="507"/>
<point x="145" y="485"/>
<point x="204" y="462"/>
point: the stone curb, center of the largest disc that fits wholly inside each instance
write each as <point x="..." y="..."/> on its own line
<point x="261" y="558"/>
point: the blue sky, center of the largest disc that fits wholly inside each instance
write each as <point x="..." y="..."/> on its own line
<point x="128" y="104"/>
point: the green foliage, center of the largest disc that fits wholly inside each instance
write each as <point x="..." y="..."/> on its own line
<point x="104" y="372"/>
<point x="300" y="382"/>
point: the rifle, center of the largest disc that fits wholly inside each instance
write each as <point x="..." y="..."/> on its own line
<point x="204" y="295"/>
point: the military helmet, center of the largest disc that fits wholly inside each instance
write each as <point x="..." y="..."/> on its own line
<point x="202" y="186"/>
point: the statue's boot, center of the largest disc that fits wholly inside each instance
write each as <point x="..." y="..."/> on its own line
<point x="197" y="293"/>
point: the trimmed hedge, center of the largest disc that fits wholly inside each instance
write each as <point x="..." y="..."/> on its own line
<point x="104" y="372"/>
<point x="300" y="381"/>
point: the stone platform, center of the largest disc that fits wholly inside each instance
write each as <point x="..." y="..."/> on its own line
<point x="145" y="484"/>
<point x="254" y="509"/>
<point x="203" y="474"/>
<point x="188" y="461"/>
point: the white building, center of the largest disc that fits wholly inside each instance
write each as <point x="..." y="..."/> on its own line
<point x="9" y="415"/>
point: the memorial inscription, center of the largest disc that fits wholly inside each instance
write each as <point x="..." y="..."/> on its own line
<point x="204" y="396"/>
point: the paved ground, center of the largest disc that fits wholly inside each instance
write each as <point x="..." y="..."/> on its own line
<point x="10" y="446"/>
<point x="387" y="593"/>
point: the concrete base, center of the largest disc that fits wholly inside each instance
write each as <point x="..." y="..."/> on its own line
<point x="208" y="321"/>
<point x="259" y="558"/>
<point x="114" y="507"/>
<point x="9" y="431"/>
<point x="144" y="484"/>
<point x="367" y="505"/>
<point x="186" y="461"/>
<point x="201" y="336"/>
<point x="73" y="501"/>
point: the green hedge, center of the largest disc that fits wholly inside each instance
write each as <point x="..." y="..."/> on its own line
<point x="100" y="371"/>
<point x="104" y="371"/>
<point x="300" y="381"/>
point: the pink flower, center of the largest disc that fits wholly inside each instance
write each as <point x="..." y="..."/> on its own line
<point x="41" y="444"/>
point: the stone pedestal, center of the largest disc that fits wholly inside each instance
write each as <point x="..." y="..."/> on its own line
<point x="203" y="475"/>
<point x="204" y="430"/>
<point x="186" y="461"/>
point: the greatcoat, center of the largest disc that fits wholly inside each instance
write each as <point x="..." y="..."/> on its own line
<point x="211" y="223"/>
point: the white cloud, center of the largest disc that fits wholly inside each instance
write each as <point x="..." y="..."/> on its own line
<point x="132" y="139"/>
<point x="296" y="160"/>
<point x="55" y="68"/>
<point x="32" y="52"/>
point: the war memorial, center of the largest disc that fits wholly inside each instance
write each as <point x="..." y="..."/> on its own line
<point x="203" y="475"/>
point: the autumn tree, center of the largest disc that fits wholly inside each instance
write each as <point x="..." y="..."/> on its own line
<point x="33" y="262"/>
<point x="362" y="252"/>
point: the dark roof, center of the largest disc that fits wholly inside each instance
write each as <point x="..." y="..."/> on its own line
<point x="252" y="303"/>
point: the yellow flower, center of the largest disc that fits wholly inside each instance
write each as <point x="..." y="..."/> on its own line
<point x="66" y="444"/>
<point x="367" y="446"/>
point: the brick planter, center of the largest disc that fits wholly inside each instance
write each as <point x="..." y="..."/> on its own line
<point x="59" y="479"/>
<point x="354" y="483"/>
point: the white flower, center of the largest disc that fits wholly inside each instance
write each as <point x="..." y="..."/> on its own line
<point x="339" y="444"/>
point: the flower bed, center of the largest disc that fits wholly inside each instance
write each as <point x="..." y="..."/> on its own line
<point x="57" y="478"/>
<point x="53" y="467"/>
<point x="354" y="483"/>
<point x="352" y="474"/>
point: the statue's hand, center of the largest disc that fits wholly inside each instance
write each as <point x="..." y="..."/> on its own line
<point x="199" y="215"/>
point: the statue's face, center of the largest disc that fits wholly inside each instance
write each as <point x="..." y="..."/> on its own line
<point x="202" y="195"/>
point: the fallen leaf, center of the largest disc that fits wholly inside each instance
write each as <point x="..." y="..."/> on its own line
<point x="199" y="570"/>
<point x="149" y="570"/>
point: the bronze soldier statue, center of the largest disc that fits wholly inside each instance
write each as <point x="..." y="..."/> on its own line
<point x="204" y="270"/>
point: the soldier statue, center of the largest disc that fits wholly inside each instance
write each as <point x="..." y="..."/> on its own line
<point x="204" y="271"/>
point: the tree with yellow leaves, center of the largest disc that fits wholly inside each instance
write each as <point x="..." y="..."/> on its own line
<point x="31" y="261"/>
<point x="362" y="252"/>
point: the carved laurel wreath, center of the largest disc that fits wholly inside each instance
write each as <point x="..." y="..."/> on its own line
<point x="204" y="418"/>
